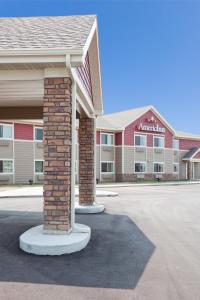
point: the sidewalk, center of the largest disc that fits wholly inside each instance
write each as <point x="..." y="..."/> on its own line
<point x="37" y="191"/>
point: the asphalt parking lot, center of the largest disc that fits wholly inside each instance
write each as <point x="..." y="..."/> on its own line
<point x="145" y="246"/>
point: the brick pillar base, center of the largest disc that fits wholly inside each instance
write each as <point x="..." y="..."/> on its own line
<point x="57" y="155"/>
<point x="87" y="184"/>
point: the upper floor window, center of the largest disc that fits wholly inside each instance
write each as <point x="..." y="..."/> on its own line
<point x="38" y="134"/>
<point x="6" y="166"/>
<point x="176" y="144"/>
<point x="158" y="141"/>
<point x="140" y="140"/>
<point x="6" y="131"/>
<point x="107" y="139"/>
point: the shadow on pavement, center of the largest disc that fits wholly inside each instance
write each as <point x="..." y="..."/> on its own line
<point x="115" y="257"/>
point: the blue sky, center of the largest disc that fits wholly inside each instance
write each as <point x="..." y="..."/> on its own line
<point x="150" y="52"/>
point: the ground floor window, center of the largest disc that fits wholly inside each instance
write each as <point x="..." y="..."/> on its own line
<point x="140" y="167"/>
<point x="107" y="167"/>
<point x="39" y="166"/>
<point x="6" y="166"/>
<point x="175" y="168"/>
<point x="158" y="167"/>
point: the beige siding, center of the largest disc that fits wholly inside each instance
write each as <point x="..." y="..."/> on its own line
<point x="39" y="179"/>
<point x="176" y="156"/>
<point x="24" y="161"/>
<point x="6" y="149"/>
<point x="128" y="160"/>
<point x="169" y="160"/>
<point x="39" y="150"/>
<point x="150" y="160"/>
<point x="107" y="177"/>
<point x="182" y="165"/>
<point x="159" y="155"/>
<point x="6" y="179"/>
<point x="140" y="154"/>
<point x="197" y="170"/>
<point x="107" y="153"/>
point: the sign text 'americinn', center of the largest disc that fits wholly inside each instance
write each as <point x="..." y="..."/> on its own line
<point x="152" y="128"/>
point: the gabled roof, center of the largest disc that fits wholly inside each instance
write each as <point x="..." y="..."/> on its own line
<point x="66" y="32"/>
<point x="190" y="154"/>
<point x="186" y="135"/>
<point x="120" y="120"/>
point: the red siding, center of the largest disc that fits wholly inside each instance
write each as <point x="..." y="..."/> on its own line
<point x="118" y="138"/>
<point x="85" y="76"/>
<point x="185" y="144"/>
<point x="23" y="131"/>
<point x="133" y="127"/>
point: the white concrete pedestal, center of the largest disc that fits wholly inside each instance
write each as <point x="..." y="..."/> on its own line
<point x="34" y="241"/>
<point x="95" y="208"/>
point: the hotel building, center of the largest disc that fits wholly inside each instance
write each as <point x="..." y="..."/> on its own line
<point x="133" y="145"/>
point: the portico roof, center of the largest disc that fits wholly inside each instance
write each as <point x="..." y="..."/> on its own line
<point x="191" y="154"/>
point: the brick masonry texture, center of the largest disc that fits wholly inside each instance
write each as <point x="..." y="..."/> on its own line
<point x="57" y="154"/>
<point x="86" y="161"/>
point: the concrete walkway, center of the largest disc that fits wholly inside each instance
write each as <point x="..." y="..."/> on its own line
<point x="37" y="191"/>
<point x="133" y="184"/>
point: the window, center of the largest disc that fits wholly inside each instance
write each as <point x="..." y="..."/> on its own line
<point x="140" y="140"/>
<point x="107" y="167"/>
<point x="158" y="168"/>
<point x="6" y="131"/>
<point x="39" y="166"/>
<point x="176" y="144"/>
<point x="175" y="168"/>
<point x="6" y="166"/>
<point x="158" y="141"/>
<point x="38" y="134"/>
<point x="140" y="167"/>
<point x="107" y="139"/>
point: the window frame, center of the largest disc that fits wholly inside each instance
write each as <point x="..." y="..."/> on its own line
<point x="112" y="162"/>
<point x="36" y="140"/>
<point x="140" y="162"/>
<point x="38" y="173"/>
<point x="175" y="140"/>
<point x="7" y="159"/>
<point x="140" y="135"/>
<point x="108" y="134"/>
<point x="160" y="163"/>
<point x="161" y="137"/>
<point x="12" y="128"/>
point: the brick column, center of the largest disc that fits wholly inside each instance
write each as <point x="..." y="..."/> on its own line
<point x="57" y="155"/>
<point x="87" y="184"/>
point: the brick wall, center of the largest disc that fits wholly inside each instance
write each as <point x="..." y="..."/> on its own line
<point x="86" y="161"/>
<point x="57" y="154"/>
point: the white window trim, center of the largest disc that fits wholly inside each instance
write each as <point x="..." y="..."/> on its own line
<point x="38" y="173"/>
<point x="11" y="125"/>
<point x="159" y="136"/>
<point x="177" y="169"/>
<point x="161" y="163"/>
<point x="111" y="161"/>
<point x="143" y="135"/>
<point x="140" y="162"/>
<point x="106" y="133"/>
<point x="173" y="144"/>
<point x="8" y="159"/>
<point x="37" y="127"/>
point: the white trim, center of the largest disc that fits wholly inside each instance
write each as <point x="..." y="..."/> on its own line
<point x="123" y="167"/>
<point x="8" y="159"/>
<point x="161" y="163"/>
<point x="163" y="138"/>
<point x="140" y="162"/>
<point x="108" y="134"/>
<point x="10" y="125"/>
<point x="89" y="39"/>
<point x="112" y="162"/>
<point x="140" y="135"/>
<point x="174" y="163"/>
<point x="34" y="128"/>
<point x="38" y="173"/>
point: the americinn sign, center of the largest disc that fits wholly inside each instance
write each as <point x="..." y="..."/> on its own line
<point x="152" y="127"/>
